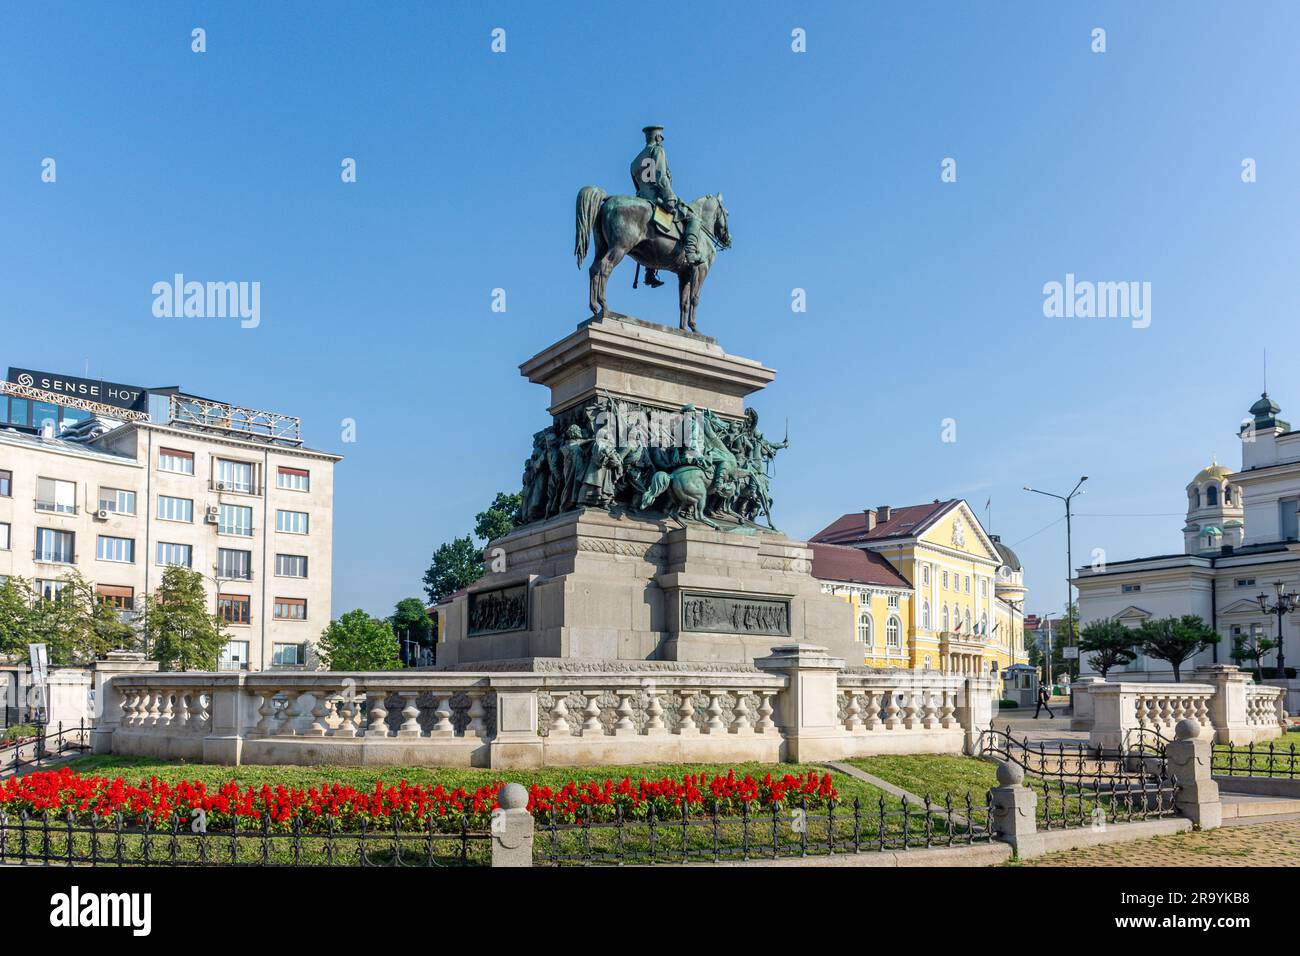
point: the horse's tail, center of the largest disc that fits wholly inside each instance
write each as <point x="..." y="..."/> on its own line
<point x="589" y="200"/>
<point x="658" y="485"/>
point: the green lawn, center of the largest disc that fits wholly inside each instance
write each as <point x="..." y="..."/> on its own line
<point x="934" y="775"/>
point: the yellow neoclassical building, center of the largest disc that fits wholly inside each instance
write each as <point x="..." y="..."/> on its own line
<point x="931" y="588"/>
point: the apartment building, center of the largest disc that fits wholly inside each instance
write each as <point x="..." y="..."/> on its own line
<point x="227" y="491"/>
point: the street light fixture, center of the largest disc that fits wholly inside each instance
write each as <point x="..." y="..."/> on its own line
<point x="1069" y="556"/>
<point x="1283" y="604"/>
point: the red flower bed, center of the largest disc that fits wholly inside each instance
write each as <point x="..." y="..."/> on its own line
<point x="58" y="792"/>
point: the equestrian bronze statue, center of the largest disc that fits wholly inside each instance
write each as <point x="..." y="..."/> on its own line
<point x="656" y="228"/>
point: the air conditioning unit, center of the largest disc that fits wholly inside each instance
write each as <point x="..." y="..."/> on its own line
<point x="102" y="514"/>
<point x="210" y="517"/>
<point x="220" y="486"/>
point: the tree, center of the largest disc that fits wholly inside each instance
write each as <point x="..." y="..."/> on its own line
<point x="1252" y="649"/>
<point x="359" y="642"/>
<point x="500" y="518"/>
<point x="1175" y="639"/>
<point x="17" y="622"/>
<point x="411" y="621"/>
<point x="76" y="626"/>
<point x="184" y="635"/>
<point x="456" y="564"/>
<point x="459" y="563"/>
<point x="1110" y="643"/>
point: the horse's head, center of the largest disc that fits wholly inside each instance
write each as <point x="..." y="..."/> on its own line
<point x="714" y="214"/>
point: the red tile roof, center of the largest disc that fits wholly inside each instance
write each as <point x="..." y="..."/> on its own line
<point x="903" y="522"/>
<point x="833" y="562"/>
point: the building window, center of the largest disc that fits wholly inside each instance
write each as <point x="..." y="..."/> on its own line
<point x="864" y="628"/>
<point x="893" y="600"/>
<point x="287" y="655"/>
<point x="234" y="608"/>
<point x="927" y="662"/>
<point x="234" y="656"/>
<point x="55" y="546"/>
<point x="966" y="618"/>
<point x="968" y="584"/>
<point x="235" y="519"/>
<point x="984" y="623"/>
<point x="1245" y="582"/>
<point x="179" y="462"/>
<point x="177" y="554"/>
<point x="234" y="475"/>
<point x="6" y="484"/>
<point x="234" y="565"/>
<point x="1130" y="588"/>
<point x="925" y="574"/>
<point x="4" y="536"/>
<point x="291" y="522"/>
<point x="48" y="590"/>
<point x="1288" y="518"/>
<point x="57" y="496"/>
<point x="290" y="609"/>
<point x="175" y="509"/>
<point x="293" y="479"/>
<point x="117" y="501"/>
<point x="893" y="633"/>
<point x="1211" y="496"/>
<point x="1227" y="495"/>
<point x="925" y="615"/>
<point x="115" y="549"/>
<point x="944" y="579"/>
<point x="119" y="598"/>
<point x="945" y="617"/>
<point x="291" y="565"/>
<point x="984" y="588"/>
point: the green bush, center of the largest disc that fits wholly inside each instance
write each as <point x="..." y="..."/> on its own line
<point x="16" y="732"/>
<point x="1005" y="703"/>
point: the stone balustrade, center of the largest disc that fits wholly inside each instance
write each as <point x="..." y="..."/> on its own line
<point x="795" y="704"/>
<point x="1227" y="706"/>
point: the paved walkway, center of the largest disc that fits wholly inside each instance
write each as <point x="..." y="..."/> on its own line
<point x="1260" y="844"/>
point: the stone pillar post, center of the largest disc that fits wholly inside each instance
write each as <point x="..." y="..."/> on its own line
<point x="1228" y="705"/>
<point x="1081" y="702"/>
<point x="806" y="711"/>
<point x="975" y="709"/>
<point x="230" y="720"/>
<point x="512" y="828"/>
<point x="516" y="744"/>
<point x="108" y="704"/>
<point x="1015" y="809"/>
<point x="1188" y="761"/>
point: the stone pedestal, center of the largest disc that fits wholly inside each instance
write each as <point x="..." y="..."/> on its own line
<point x="617" y="588"/>
<point x="620" y="584"/>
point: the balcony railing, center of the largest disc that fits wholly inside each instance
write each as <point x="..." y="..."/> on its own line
<point x="55" y="507"/>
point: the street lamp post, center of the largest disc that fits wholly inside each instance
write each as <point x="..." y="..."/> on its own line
<point x="1069" y="555"/>
<point x="1284" y="603"/>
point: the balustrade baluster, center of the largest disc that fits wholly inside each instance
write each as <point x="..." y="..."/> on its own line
<point x="765" y="722"/>
<point x="320" y="709"/>
<point x="715" y="723"/>
<point x="930" y="713"/>
<point x="740" y="724"/>
<point x="378" y="726"/>
<point x="948" y="709"/>
<point x="592" y="727"/>
<point x="410" y="715"/>
<point x="891" y="710"/>
<point x="289" y="715"/>
<point x="909" y="709"/>
<point x="654" y="725"/>
<point x="853" y="722"/>
<point x="476" y="726"/>
<point x="625" y="726"/>
<point x="266" y="709"/>
<point x="873" y="709"/>
<point x="686" y="715"/>
<point x="560" y="726"/>
<point x="347" y="711"/>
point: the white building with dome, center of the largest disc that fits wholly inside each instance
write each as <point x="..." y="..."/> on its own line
<point x="1241" y="535"/>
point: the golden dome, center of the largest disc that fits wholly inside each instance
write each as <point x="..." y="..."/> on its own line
<point x="1214" y="472"/>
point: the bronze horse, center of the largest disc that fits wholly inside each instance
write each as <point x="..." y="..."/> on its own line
<point x="622" y="226"/>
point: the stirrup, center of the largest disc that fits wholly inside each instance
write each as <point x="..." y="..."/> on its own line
<point x="652" y="278"/>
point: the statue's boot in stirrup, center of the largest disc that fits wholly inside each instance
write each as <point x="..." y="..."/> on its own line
<point x="652" y="278"/>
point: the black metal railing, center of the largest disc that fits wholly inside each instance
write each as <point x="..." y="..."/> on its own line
<point x="776" y="832"/>
<point x="47" y="840"/>
<point x="44" y="746"/>
<point x="1255" y="760"/>
<point x="1079" y="785"/>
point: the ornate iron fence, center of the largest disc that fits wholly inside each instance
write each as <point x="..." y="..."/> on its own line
<point x="44" y="747"/>
<point x="776" y="833"/>
<point x="1255" y="760"/>
<point x="1079" y="785"/>
<point x="47" y="840"/>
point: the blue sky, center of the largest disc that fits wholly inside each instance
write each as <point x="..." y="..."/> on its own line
<point x="924" y="298"/>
